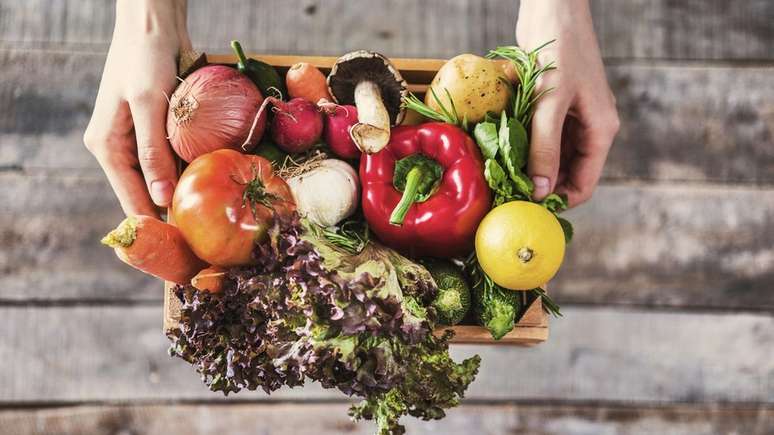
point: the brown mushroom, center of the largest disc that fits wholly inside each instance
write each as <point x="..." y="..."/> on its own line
<point x="370" y="82"/>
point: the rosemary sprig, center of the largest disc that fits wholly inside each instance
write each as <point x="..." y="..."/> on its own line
<point x="549" y="306"/>
<point x="529" y="71"/>
<point x="352" y="235"/>
<point x="447" y="115"/>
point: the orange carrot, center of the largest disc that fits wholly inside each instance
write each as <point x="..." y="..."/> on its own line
<point x="154" y="247"/>
<point x="304" y="80"/>
<point x="209" y="279"/>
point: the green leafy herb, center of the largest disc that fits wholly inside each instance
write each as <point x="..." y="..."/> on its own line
<point x="485" y="134"/>
<point x="529" y="71"/>
<point x="448" y="115"/>
<point x="498" y="181"/>
<point x="548" y="304"/>
<point x="567" y="228"/>
<point x="555" y="202"/>
<point x="352" y="235"/>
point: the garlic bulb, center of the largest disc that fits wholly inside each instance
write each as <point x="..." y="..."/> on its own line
<point x="326" y="194"/>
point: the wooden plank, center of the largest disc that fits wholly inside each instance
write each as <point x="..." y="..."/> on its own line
<point x="290" y="419"/>
<point x="693" y="123"/>
<point x="673" y="246"/>
<point x="641" y="29"/>
<point x="678" y="246"/>
<point x="118" y="353"/>
<point x="50" y="229"/>
<point x="686" y="29"/>
<point x="46" y="100"/>
<point x="679" y="122"/>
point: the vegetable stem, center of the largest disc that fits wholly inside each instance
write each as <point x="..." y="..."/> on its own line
<point x="372" y="132"/>
<point x="410" y="193"/>
<point x="237" y="47"/>
<point x="123" y="235"/>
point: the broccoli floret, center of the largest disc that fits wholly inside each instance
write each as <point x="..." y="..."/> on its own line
<point x="452" y="301"/>
<point x="497" y="308"/>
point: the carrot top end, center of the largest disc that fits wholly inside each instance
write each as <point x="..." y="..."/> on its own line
<point x="123" y="235"/>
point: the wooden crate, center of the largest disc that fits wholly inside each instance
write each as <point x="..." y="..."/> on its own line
<point x="531" y="329"/>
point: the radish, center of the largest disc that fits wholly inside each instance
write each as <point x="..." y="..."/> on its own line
<point x="297" y="124"/>
<point x="338" y="121"/>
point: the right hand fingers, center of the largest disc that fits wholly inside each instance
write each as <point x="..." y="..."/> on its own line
<point x="149" y="112"/>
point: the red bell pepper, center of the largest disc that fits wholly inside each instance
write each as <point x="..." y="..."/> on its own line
<point x="425" y="193"/>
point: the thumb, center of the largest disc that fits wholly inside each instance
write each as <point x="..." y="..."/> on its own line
<point x="153" y="151"/>
<point x="544" y="151"/>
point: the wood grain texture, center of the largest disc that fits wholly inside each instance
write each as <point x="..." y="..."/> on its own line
<point x="50" y="229"/>
<point x="632" y="29"/>
<point x="673" y="246"/>
<point x="329" y="419"/>
<point x="80" y="354"/>
<point x="679" y="246"/>
<point x="685" y="29"/>
<point x="679" y="122"/>
<point x="693" y="123"/>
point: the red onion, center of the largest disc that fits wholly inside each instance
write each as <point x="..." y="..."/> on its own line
<point x="338" y="121"/>
<point x="214" y="107"/>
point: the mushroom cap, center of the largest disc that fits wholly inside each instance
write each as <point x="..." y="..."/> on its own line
<point x="354" y="67"/>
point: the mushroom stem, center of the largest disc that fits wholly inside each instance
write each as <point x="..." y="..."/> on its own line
<point x="372" y="132"/>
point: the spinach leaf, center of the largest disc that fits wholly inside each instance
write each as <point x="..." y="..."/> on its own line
<point x="497" y="179"/>
<point x="519" y="142"/>
<point x="567" y="228"/>
<point x="511" y="132"/>
<point x="555" y="202"/>
<point x="486" y="138"/>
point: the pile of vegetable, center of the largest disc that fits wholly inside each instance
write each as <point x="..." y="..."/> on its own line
<point x="323" y="231"/>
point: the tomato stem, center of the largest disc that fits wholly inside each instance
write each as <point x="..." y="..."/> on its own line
<point x="255" y="193"/>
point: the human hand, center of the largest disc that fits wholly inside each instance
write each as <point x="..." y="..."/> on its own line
<point x="574" y="125"/>
<point x="127" y="130"/>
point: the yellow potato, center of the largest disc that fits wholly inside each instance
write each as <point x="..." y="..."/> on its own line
<point x="476" y="86"/>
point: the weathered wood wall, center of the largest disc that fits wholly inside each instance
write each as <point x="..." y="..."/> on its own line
<point x="667" y="290"/>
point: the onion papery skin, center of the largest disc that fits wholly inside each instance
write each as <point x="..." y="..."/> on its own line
<point x="214" y="108"/>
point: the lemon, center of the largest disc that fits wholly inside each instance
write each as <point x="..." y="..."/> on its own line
<point x="520" y="245"/>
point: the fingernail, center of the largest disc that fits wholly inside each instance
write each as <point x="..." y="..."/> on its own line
<point x="542" y="187"/>
<point x="161" y="192"/>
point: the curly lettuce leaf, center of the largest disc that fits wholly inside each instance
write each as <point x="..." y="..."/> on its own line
<point x="310" y="309"/>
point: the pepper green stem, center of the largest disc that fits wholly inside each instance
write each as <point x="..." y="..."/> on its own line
<point x="418" y="177"/>
<point x="242" y="62"/>
<point x="410" y="193"/>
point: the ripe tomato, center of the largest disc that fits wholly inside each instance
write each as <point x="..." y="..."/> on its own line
<point x="222" y="205"/>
